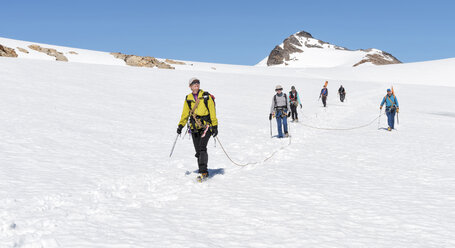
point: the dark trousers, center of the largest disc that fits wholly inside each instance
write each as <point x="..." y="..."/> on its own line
<point x="324" y="100"/>
<point x="294" y="111"/>
<point x="200" y="145"/>
<point x="342" y="97"/>
<point x="391" y="117"/>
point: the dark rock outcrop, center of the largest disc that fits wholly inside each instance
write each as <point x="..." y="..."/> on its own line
<point x="383" y="58"/>
<point x="290" y="45"/>
<point x="7" y="52"/>
<point x="50" y="51"/>
<point x="140" y="61"/>
<point x="277" y="56"/>
<point x="304" y="34"/>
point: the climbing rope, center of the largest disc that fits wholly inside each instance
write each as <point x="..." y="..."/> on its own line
<point x="252" y="163"/>
<point x="343" y="129"/>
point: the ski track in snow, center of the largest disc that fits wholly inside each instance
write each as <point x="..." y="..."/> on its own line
<point x="84" y="163"/>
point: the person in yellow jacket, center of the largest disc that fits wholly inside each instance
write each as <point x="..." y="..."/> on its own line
<point x="199" y="107"/>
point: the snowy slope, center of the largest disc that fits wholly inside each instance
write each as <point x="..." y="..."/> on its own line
<point x="84" y="159"/>
<point x="302" y="50"/>
<point x="82" y="56"/>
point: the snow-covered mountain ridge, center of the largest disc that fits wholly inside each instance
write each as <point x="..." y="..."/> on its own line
<point x="33" y="50"/>
<point x="303" y="50"/>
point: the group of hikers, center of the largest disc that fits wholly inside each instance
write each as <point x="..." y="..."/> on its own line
<point x="199" y="114"/>
<point x="281" y="103"/>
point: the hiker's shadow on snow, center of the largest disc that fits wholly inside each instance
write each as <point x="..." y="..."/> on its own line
<point x="212" y="172"/>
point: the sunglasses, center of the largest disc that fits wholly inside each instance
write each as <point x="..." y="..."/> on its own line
<point x="279" y="89"/>
<point x="195" y="82"/>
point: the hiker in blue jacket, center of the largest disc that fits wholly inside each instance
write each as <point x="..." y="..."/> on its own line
<point x="391" y="106"/>
<point x="324" y="94"/>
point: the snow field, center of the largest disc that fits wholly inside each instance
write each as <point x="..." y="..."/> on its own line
<point x="84" y="162"/>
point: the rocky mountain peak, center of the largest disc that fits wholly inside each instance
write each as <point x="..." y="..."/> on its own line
<point x="304" y="34"/>
<point x="299" y="49"/>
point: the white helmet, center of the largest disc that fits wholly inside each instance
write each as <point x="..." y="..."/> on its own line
<point x="192" y="80"/>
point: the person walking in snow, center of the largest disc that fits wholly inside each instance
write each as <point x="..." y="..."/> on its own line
<point x="324" y="94"/>
<point x="294" y="101"/>
<point x="280" y="106"/>
<point x="342" y="93"/>
<point x="199" y="107"/>
<point x="391" y="106"/>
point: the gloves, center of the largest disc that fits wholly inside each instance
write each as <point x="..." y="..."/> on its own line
<point x="398" y="110"/>
<point x="270" y="117"/>
<point x="380" y="107"/>
<point x="214" y="131"/>
<point x="289" y="114"/>
<point x="179" y="129"/>
<point x="300" y="105"/>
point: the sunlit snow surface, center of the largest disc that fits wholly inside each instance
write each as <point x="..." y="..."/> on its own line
<point x="84" y="158"/>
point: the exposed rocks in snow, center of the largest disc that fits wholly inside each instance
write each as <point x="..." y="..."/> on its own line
<point x="50" y="51"/>
<point x="170" y="61"/>
<point x="299" y="42"/>
<point x="140" y="61"/>
<point x="73" y="52"/>
<point x="22" y="50"/>
<point x="277" y="56"/>
<point x="381" y="58"/>
<point x="7" y="52"/>
<point x="290" y="45"/>
<point x="304" y="34"/>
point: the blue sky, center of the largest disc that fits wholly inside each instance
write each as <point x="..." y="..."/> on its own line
<point x="233" y="32"/>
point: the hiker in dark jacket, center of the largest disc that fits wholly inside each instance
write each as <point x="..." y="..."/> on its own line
<point x="200" y="108"/>
<point x="324" y="94"/>
<point x="294" y="101"/>
<point x="342" y="93"/>
<point x="391" y="106"/>
<point x="280" y="107"/>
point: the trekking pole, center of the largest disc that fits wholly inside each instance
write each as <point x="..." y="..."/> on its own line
<point x="271" y="136"/>
<point x="287" y="124"/>
<point x="379" y="119"/>
<point x="173" y="146"/>
<point x="185" y="132"/>
<point x="398" y="119"/>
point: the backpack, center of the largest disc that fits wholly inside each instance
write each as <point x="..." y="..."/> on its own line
<point x="206" y="97"/>
<point x="293" y="97"/>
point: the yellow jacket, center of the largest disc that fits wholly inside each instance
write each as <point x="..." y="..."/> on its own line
<point x="201" y="110"/>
